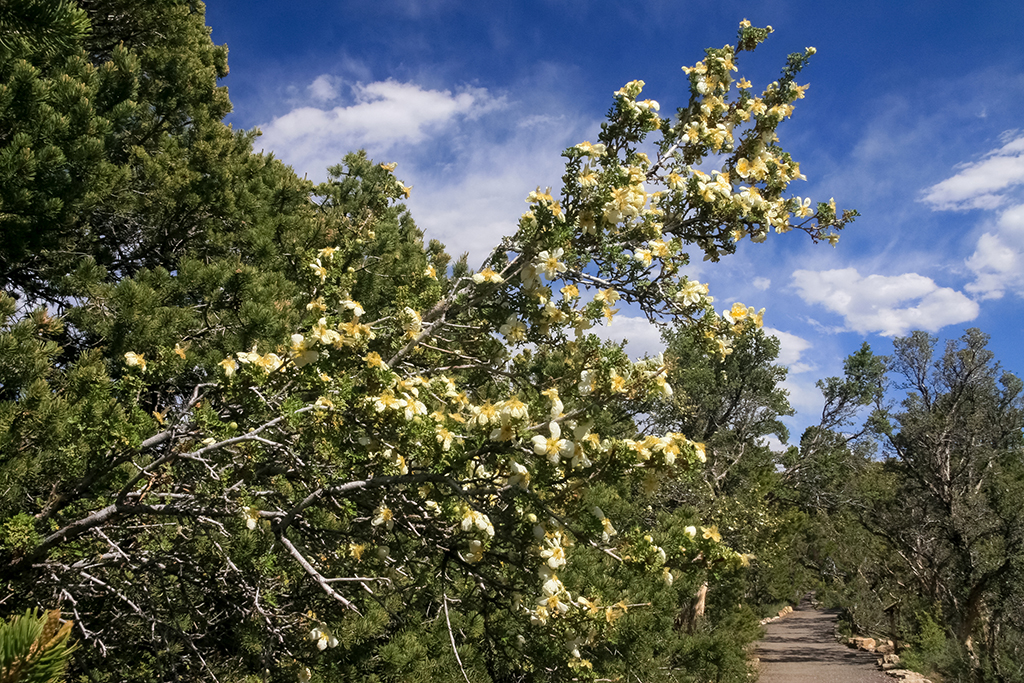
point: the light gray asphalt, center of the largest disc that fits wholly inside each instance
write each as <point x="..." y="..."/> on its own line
<point x="801" y="647"/>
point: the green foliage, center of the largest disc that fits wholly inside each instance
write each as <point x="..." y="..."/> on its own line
<point x="34" y="648"/>
<point x="930" y="647"/>
<point x="40" y="27"/>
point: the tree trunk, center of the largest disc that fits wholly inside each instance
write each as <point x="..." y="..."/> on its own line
<point x="688" y="617"/>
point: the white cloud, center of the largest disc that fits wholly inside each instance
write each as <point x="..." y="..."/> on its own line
<point x="998" y="258"/>
<point x="978" y="185"/>
<point x="762" y="283"/>
<point x="323" y="88"/>
<point x="383" y="114"/>
<point x="473" y="202"/>
<point x="791" y="348"/>
<point x="888" y="305"/>
<point x="471" y="156"/>
<point x="643" y="337"/>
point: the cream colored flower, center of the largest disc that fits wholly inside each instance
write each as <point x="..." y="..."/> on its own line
<point x="251" y="515"/>
<point x="229" y="365"/>
<point x="552" y="447"/>
<point x="548" y="265"/>
<point x="323" y="638"/>
<point x="520" y="475"/>
<point x="593" y="150"/>
<point x="514" y="329"/>
<point x="137" y="360"/>
<point x="319" y="270"/>
<point x="412" y="323"/>
<point x="478" y="520"/>
<point x="487" y="275"/>
<point x="383" y="517"/>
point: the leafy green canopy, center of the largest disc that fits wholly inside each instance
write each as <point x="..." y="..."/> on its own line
<point x="267" y="429"/>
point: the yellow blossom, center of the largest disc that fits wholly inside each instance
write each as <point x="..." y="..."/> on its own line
<point x="485" y="413"/>
<point x="547" y="263"/>
<point x="383" y="516"/>
<point x="594" y="150"/>
<point x="137" y="360"/>
<point x="618" y="383"/>
<point x="588" y="178"/>
<point x="487" y="275"/>
<point x="444" y="437"/>
<point x="613" y="612"/>
<point x="514" y="329"/>
<point x="229" y="365"/>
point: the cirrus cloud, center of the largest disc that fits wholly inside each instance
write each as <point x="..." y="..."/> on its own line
<point x="998" y="259"/>
<point x="979" y="185"/>
<point x="381" y="116"/>
<point x="888" y="305"/>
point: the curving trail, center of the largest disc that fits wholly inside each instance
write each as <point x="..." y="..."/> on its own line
<point x="801" y="647"/>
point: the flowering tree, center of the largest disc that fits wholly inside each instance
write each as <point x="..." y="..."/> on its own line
<point x="419" y="479"/>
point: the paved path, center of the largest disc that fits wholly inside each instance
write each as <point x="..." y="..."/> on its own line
<point x="801" y="647"/>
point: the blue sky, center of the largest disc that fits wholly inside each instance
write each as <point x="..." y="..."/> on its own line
<point x="914" y="117"/>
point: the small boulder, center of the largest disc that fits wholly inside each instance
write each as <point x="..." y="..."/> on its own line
<point x="907" y="675"/>
<point x="866" y="644"/>
<point x="889" y="661"/>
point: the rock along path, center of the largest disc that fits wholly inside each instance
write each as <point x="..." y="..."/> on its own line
<point x="802" y="647"/>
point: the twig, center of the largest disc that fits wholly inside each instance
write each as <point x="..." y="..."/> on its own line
<point x="452" y="636"/>
<point x="317" y="576"/>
